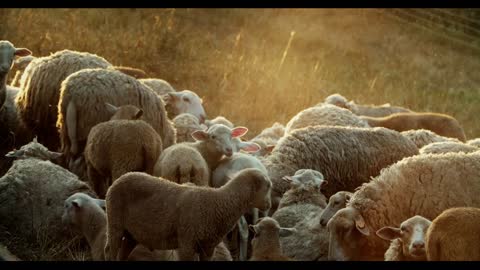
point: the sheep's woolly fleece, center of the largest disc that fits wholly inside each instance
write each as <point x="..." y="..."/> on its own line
<point x="422" y="137"/>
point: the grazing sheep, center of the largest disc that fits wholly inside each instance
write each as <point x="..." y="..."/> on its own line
<point x="419" y="185"/>
<point x="453" y="235"/>
<point x="336" y="202"/>
<point x="219" y="120"/>
<point x="422" y="137"/>
<point x="185" y="101"/>
<point x="82" y="106"/>
<point x="266" y="243"/>
<point x="346" y="156"/>
<point x="40" y="84"/>
<point x="186" y="124"/>
<point x="189" y="222"/>
<point x="365" y="110"/>
<point x="120" y="145"/>
<point x="447" y="147"/>
<point x="408" y="241"/>
<point x="474" y="142"/>
<point x="304" y="197"/>
<point x="159" y="86"/>
<point x="442" y="124"/>
<point x="32" y="193"/>
<point x="326" y="114"/>
<point x="20" y="64"/>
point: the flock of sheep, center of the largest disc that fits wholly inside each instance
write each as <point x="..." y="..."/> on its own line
<point x="135" y="168"/>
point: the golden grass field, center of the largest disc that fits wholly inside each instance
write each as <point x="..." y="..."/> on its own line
<point x="242" y="63"/>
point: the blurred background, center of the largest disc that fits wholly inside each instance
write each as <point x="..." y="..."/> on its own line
<point x="259" y="66"/>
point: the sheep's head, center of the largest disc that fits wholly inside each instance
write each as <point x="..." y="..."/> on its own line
<point x="260" y="184"/>
<point x="126" y="112"/>
<point x="268" y="229"/>
<point x="220" y="138"/>
<point x="307" y="179"/>
<point x="336" y="202"/>
<point x="185" y="101"/>
<point x="411" y="234"/>
<point x="7" y="55"/>
<point x="347" y="231"/>
<point x="337" y="100"/>
<point x="219" y="120"/>
<point x="77" y="208"/>
<point x="34" y="149"/>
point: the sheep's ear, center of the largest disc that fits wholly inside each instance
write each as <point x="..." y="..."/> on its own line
<point x="15" y="154"/>
<point x="269" y="148"/>
<point x="287" y="177"/>
<point x="77" y="203"/>
<point x="253" y="228"/>
<point x="200" y="135"/>
<point x="389" y="233"/>
<point x="360" y="225"/>
<point x="239" y="132"/>
<point x="250" y="147"/>
<point x="112" y="109"/>
<point x="324" y="184"/>
<point x="138" y="114"/>
<point x="22" y="52"/>
<point x="35" y="139"/>
<point x="102" y="204"/>
<point x="348" y="196"/>
<point x="54" y="155"/>
<point x="284" y="232"/>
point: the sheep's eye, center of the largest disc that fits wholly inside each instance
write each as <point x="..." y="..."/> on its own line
<point x="213" y="137"/>
<point x="186" y="99"/>
<point x="335" y="203"/>
<point x="403" y="229"/>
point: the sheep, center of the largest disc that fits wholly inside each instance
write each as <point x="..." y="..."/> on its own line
<point x="447" y="147"/>
<point x="441" y="124"/>
<point x="41" y="83"/>
<point x="454" y="234"/>
<point x="336" y="202"/>
<point x="20" y="64"/>
<point x="185" y="101"/>
<point x="408" y="241"/>
<point x="365" y="110"/>
<point x="82" y="106"/>
<point x="32" y="193"/>
<point x="185" y="124"/>
<point x="268" y="138"/>
<point x="219" y="120"/>
<point x="189" y="222"/>
<point x="304" y="197"/>
<point x="326" y="114"/>
<point x="419" y="185"/>
<point x="474" y="142"/>
<point x="422" y="137"/>
<point x="159" y="86"/>
<point x="266" y="243"/>
<point x="120" y="145"/>
<point x="346" y="156"/>
<point x="12" y="131"/>
<point x="86" y="215"/>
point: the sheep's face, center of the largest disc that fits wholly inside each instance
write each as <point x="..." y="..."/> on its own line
<point x="34" y="150"/>
<point x="307" y="179"/>
<point x="347" y="230"/>
<point x="263" y="187"/>
<point x="336" y="202"/>
<point x="186" y="101"/>
<point x="267" y="229"/>
<point x="77" y="207"/>
<point x="219" y="138"/>
<point x="7" y="55"/>
<point x="411" y="234"/>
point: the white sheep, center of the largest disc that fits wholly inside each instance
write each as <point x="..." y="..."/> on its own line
<point x="422" y="137"/>
<point x="185" y="101"/>
<point x="219" y="120"/>
<point x="188" y="222"/>
<point x="336" y="202"/>
<point x="447" y="147"/>
<point x="159" y="86"/>
<point x="186" y="124"/>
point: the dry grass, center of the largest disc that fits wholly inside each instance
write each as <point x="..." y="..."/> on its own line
<point x="238" y="59"/>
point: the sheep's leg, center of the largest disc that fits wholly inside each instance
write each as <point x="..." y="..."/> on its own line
<point x="128" y="244"/>
<point x="71" y="123"/>
<point x="98" y="181"/>
<point x="186" y="253"/>
<point x="206" y="254"/>
<point x="243" y="231"/>
<point x="254" y="216"/>
<point x="113" y="245"/>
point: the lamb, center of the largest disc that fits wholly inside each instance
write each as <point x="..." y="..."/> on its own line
<point x="185" y="101"/>
<point x="181" y="206"/>
<point x="82" y="106"/>
<point x="12" y="132"/>
<point x="441" y="124"/>
<point x="159" y="86"/>
<point x="32" y="193"/>
<point x="422" y="137"/>
<point x="365" y="110"/>
<point x="185" y="124"/>
<point x="219" y="120"/>
<point x="120" y="145"/>
<point x="346" y="156"/>
<point x="474" y="142"/>
<point x="326" y="114"/>
<point x="454" y="234"/>
<point x="87" y="216"/>
<point x="418" y="185"/>
<point x="266" y="243"/>
<point x="408" y="241"/>
<point x="304" y="197"/>
<point x="336" y="202"/>
<point x="447" y="147"/>
<point x="40" y="84"/>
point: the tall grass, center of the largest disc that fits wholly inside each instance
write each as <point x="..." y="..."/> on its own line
<point x="250" y="68"/>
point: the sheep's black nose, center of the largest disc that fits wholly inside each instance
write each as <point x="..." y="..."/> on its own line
<point x="418" y="244"/>
<point x="323" y="222"/>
